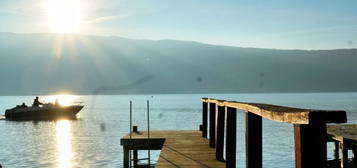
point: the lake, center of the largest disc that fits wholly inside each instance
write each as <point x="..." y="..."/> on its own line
<point x="93" y="140"/>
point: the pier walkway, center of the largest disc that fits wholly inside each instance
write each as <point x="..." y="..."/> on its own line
<point x="178" y="148"/>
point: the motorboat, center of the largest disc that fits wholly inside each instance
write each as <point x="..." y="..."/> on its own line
<point x="44" y="112"/>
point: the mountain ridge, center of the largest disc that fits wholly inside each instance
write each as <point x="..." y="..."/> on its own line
<point x="163" y="40"/>
<point x="49" y="63"/>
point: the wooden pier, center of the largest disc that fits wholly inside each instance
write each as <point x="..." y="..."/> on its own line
<point x="178" y="148"/>
<point x="219" y="121"/>
<point x="344" y="138"/>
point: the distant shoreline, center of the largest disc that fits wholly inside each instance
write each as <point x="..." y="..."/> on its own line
<point x="148" y="94"/>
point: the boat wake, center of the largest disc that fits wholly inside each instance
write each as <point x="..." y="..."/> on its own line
<point x="2" y="117"/>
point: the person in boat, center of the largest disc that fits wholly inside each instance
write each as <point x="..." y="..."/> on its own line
<point x="36" y="102"/>
<point x="56" y="102"/>
<point x="23" y="105"/>
<point x="20" y="106"/>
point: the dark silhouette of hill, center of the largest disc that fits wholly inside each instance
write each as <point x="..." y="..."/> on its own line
<point x="48" y="63"/>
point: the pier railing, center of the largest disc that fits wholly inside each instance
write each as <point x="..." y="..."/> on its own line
<point x="310" y="137"/>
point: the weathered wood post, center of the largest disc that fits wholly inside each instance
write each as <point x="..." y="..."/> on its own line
<point x="135" y="157"/>
<point x="135" y="129"/>
<point x="135" y="151"/>
<point x="354" y="157"/>
<point x="336" y="150"/>
<point x="126" y="157"/>
<point x="344" y="155"/>
<point x="204" y="119"/>
<point x="253" y="140"/>
<point x="220" y="116"/>
<point x="231" y="133"/>
<point x="310" y="145"/>
<point x="212" y="124"/>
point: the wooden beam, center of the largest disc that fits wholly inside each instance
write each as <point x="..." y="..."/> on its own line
<point x="231" y="134"/>
<point x="253" y="135"/>
<point x="220" y="116"/>
<point x="212" y="125"/>
<point x="310" y="145"/>
<point x="283" y="113"/>
<point x="204" y="119"/>
<point x="142" y="144"/>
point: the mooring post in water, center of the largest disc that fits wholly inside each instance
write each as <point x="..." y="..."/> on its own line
<point x="220" y="116"/>
<point x="212" y="124"/>
<point x="253" y="140"/>
<point x="148" y="122"/>
<point x="204" y="119"/>
<point x="231" y="135"/>
<point x="135" y="151"/>
<point x="126" y="149"/>
<point x="131" y="132"/>
<point x="310" y="145"/>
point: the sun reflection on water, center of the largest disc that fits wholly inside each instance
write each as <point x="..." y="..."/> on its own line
<point x="64" y="146"/>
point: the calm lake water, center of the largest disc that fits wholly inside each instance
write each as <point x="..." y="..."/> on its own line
<point x="93" y="140"/>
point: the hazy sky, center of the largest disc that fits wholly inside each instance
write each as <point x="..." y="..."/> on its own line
<point x="301" y="24"/>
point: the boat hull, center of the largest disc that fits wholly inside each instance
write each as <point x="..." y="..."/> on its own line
<point x="40" y="113"/>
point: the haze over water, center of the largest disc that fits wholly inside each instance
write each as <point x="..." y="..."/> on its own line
<point x="93" y="140"/>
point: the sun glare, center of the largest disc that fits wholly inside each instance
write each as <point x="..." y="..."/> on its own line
<point x="64" y="16"/>
<point x="63" y="99"/>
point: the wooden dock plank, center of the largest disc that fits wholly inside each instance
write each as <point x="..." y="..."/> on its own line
<point x="343" y="131"/>
<point x="182" y="149"/>
<point x="283" y="113"/>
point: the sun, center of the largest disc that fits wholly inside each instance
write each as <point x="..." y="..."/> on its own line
<point x="64" y="16"/>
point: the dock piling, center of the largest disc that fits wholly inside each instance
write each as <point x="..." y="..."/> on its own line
<point x="344" y="155"/>
<point x="212" y="125"/>
<point x="220" y="118"/>
<point x="336" y="150"/>
<point x="253" y="135"/>
<point x="204" y="119"/>
<point x="354" y="158"/>
<point x="310" y="145"/>
<point x="126" y="157"/>
<point x="231" y="135"/>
